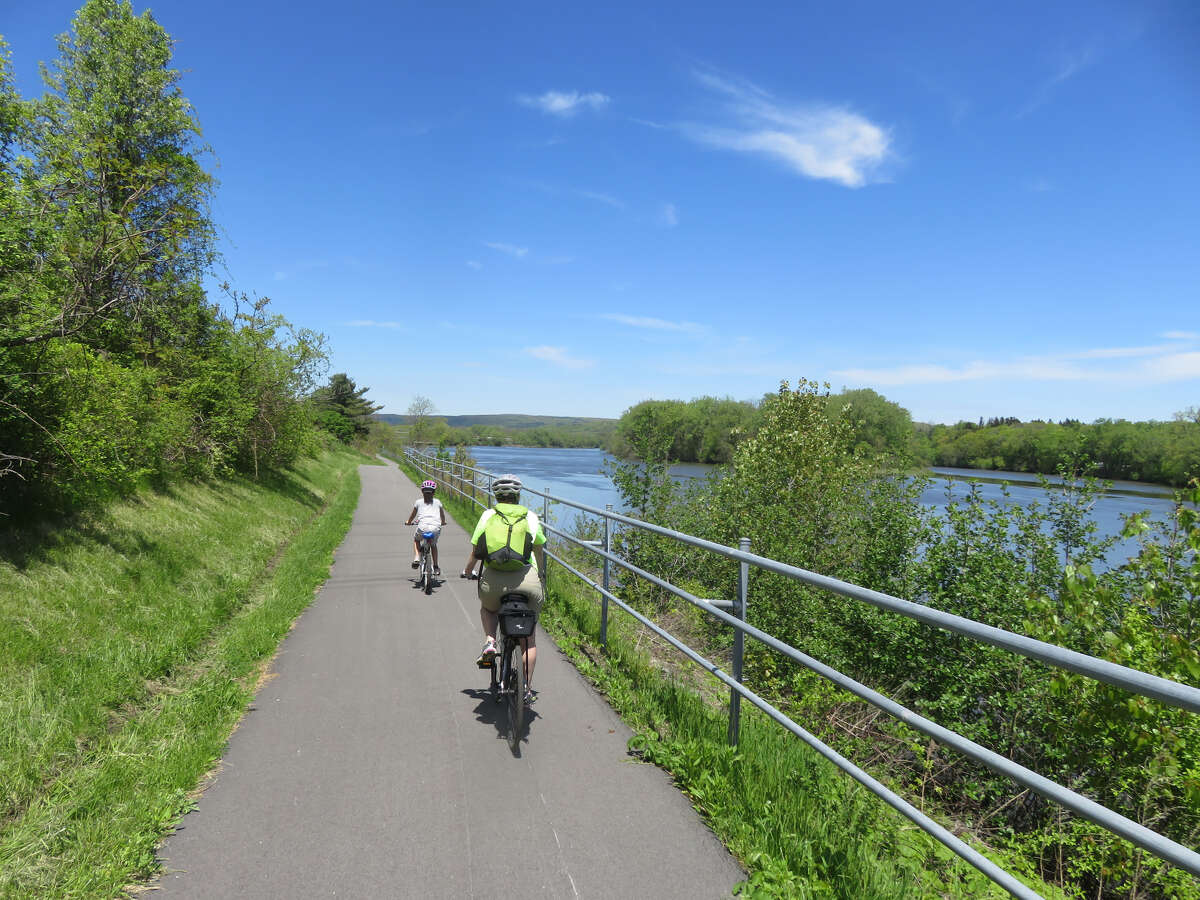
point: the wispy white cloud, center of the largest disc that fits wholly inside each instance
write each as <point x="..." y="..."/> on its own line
<point x="817" y="141"/>
<point x="565" y="103"/>
<point x="1181" y="336"/>
<point x="653" y="324"/>
<point x="1121" y="352"/>
<point x="558" y="356"/>
<point x="510" y="249"/>
<point x="475" y="264"/>
<point x="669" y="215"/>
<point x="1123" y="365"/>
<point x="1175" y="367"/>
<point x="601" y="198"/>
<point x="1068" y="66"/>
<point x="586" y="194"/>
<point x="371" y="323"/>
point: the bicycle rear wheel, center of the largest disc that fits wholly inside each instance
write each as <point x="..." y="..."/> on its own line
<point x="426" y="569"/>
<point x="514" y="690"/>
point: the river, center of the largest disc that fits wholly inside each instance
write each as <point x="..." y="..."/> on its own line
<point x="578" y="474"/>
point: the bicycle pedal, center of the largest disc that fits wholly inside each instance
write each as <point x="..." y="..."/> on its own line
<point x="485" y="664"/>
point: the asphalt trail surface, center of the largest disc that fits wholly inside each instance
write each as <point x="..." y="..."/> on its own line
<point x="373" y="762"/>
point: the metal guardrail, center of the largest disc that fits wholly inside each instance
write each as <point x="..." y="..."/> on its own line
<point x="475" y="484"/>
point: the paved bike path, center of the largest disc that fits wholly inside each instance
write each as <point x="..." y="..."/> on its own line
<point x="373" y="762"/>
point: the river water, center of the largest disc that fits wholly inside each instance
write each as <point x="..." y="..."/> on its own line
<point x="578" y="474"/>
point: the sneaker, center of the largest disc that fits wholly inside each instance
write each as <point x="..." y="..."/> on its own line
<point x="530" y="697"/>
<point x="416" y="563"/>
<point x="488" y="657"/>
<point x="437" y="571"/>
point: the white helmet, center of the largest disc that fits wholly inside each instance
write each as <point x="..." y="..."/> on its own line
<point x="506" y="486"/>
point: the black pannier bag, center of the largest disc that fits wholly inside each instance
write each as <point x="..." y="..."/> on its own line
<point x="517" y="618"/>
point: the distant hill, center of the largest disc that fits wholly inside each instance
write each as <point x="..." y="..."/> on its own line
<point x="505" y="420"/>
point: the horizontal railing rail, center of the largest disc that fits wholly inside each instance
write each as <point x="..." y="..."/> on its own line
<point x="1167" y="691"/>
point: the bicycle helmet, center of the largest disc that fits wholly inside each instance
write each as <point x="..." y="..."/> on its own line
<point x="429" y="485"/>
<point x="506" y="486"/>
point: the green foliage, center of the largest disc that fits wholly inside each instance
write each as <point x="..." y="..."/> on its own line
<point x="807" y="490"/>
<point x="701" y="430"/>
<point x="801" y="829"/>
<point x="1157" y="452"/>
<point x="1132" y="754"/>
<point x="806" y="493"/>
<point x="113" y="172"/>
<point x="877" y="424"/>
<point x="115" y="369"/>
<point x="342" y="409"/>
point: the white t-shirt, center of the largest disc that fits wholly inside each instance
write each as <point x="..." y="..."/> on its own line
<point x="429" y="515"/>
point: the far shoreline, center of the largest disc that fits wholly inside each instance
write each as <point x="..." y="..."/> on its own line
<point x="1121" y="485"/>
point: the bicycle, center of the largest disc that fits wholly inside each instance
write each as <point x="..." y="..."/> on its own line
<point x="425" y="570"/>
<point x="509" y="675"/>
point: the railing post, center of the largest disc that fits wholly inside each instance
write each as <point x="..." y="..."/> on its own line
<point x="739" y="645"/>
<point x="604" y="597"/>
<point x="545" y="522"/>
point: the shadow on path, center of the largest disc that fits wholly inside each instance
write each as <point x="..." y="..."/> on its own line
<point x="492" y="712"/>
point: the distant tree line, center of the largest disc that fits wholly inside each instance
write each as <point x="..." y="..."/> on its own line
<point x="116" y="368"/>
<point x="1157" y="452"/>
<point x="708" y="430"/>
<point x="422" y="425"/>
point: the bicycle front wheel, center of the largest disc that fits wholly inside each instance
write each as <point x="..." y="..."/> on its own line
<point x="515" y="692"/>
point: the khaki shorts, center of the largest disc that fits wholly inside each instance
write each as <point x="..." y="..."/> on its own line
<point x="494" y="584"/>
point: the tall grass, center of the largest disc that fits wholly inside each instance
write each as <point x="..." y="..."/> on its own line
<point x="130" y="644"/>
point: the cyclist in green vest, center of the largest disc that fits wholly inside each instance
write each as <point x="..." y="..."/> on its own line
<point x="509" y="540"/>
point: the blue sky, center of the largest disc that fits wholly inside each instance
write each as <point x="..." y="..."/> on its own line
<point x="976" y="209"/>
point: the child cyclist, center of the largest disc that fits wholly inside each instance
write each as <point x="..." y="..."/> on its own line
<point x="430" y="516"/>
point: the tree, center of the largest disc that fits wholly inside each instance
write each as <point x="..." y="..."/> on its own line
<point x="420" y="428"/>
<point x="878" y="424"/>
<point x="104" y="239"/>
<point x="342" y="408"/>
<point x="17" y="245"/>
<point x="115" y="175"/>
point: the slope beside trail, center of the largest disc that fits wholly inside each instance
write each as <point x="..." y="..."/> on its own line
<point x="373" y="762"/>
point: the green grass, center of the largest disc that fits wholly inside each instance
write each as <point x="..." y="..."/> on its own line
<point x="800" y="827"/>
<point x="130" y="645"/>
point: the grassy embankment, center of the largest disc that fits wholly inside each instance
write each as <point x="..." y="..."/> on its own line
<point x="800" y="827"/>
<point x="131" y="642"/>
